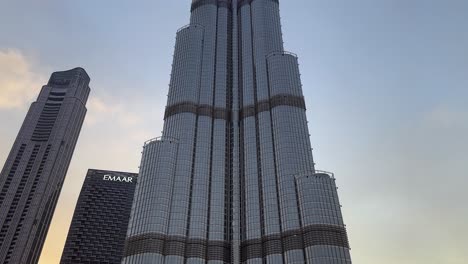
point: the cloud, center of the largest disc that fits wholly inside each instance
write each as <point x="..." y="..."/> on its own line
<point x="124" y="124"/>
<point x="19" y="83"/>
<point x="448" y="117"/>
<point x="102" y="109"/>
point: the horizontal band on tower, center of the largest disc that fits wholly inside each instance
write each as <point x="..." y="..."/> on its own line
<point x="219" y="3"/>
<point x="201" y="110"/>
<point x="314" y="235"/>
<point x="240" y="3"/>
<point x="275" y="101"/>
<point x="222" y="3"/>
<point x="178" y="246"/>
<point x="224" y="113"/>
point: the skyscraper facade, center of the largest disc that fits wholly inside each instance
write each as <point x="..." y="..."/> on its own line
<point x="99" y="225"/>
<point x="32" y="177"/>
<point x="232" y="179"/>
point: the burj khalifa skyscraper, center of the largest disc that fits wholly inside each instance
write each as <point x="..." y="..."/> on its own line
<point x="232" y="178"/>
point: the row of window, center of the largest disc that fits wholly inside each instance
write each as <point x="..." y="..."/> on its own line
<point x="11" y="173"/>
<point x="14" y="204"/>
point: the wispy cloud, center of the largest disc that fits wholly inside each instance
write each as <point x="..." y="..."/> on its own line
<point x="19" y="83"/>
<point x="448" y="117"/>
<point x="101" y="109"/>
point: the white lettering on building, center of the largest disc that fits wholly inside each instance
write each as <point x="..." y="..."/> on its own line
<point x="108" y="177"/>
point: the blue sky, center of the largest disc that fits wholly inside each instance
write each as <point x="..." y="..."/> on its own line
<point x="386" y="85"/>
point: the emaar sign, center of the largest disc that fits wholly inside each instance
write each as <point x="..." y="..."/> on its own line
<point x="108" y="177"/>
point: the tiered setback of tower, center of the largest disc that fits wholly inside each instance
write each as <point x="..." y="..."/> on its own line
<point x="232" y="180"/>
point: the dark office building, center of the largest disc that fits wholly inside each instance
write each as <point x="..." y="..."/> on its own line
<point x="99" y="226"/>
<point x="32" y="177"/>
<point x="233" y="179"/>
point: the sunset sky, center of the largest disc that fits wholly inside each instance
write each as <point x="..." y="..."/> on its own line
<point x="386" y="87"/>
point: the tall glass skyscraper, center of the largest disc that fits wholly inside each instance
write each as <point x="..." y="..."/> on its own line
<point x="232" y="179"/>
<point x="32" y="177"/>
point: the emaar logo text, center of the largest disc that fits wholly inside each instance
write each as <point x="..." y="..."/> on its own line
<point x="108" y="177"/>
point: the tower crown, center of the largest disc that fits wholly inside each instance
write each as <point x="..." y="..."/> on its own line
<point x="62" y="78"/>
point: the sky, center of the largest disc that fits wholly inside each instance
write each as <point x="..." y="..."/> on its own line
<point x="386" y="87"/>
